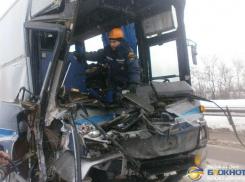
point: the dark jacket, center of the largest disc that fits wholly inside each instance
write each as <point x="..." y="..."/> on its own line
<point x="123" y="63"/>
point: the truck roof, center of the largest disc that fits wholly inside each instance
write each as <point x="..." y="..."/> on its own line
<point x="96" y="16"/>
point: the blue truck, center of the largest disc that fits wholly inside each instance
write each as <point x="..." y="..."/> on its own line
<point x="55" y="122"/>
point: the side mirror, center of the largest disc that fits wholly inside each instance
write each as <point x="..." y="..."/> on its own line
<point x="193" y="50"/>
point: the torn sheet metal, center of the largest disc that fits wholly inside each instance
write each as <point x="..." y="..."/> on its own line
<point x="64" y="166"/>
<point x="172" y="89"/>
<point x="180" y="107"/>
<point x="139" y="102"/>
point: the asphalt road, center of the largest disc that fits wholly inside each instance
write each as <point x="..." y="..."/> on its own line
<point x="224" y="150"/>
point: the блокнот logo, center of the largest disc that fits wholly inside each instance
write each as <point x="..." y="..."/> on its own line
<point x="194" y="173"/>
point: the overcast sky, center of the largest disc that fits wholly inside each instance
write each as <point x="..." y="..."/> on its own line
<point x="217" y="26"/>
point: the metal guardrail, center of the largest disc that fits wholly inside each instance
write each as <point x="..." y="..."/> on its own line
<point x="235" y="111"/>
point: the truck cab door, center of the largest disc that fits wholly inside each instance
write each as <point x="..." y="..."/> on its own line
<point x="48" y="35"/>
<point x="49" y="32"/>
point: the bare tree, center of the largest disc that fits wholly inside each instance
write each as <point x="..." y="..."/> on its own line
<point x="211" y="72"/>
<point x="239" y="69"/>
<point x="217" y="80"/>
<point x="199" y="82"/>
<point x="243" y="79"/>
<point x="225" y="81"/>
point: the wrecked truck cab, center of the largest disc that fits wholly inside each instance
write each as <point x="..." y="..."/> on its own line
<point x="70" y="133"/>
<point x="160" y="127"/>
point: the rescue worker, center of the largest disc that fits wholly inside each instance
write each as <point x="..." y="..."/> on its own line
<point x="121" y="60"/>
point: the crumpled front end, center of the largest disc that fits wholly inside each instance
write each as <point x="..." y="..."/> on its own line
<point x="139" y="137"/>
<point x="150" y="132"/>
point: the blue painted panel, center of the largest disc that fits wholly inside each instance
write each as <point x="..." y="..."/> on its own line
<point x="7" y="140"/>
<point x="7" y="133"/>
<point x="192" y="112"/>
<point x="76" y="75"/>
<point x="97" y="119"/>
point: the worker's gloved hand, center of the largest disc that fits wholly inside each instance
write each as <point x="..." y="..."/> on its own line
<point x="132" y="88"/>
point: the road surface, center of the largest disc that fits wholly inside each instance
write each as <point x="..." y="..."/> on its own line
<point x="224" y="150"/>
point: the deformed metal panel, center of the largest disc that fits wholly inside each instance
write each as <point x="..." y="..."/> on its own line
<point x="172" y="89"/>
<point x="8" y="115"/>
<point x="139" y="102"/>
<point x="183" y="106"/>
<point x="146" y="93"/>
<point x="64" y="166"/>
<point x="162" y="145"/>
<point x="8" y="125"/>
